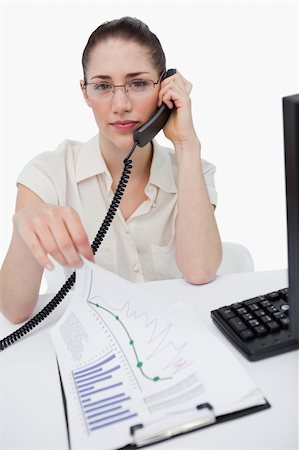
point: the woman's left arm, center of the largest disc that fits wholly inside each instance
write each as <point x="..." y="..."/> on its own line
<point x="197" y="240"/>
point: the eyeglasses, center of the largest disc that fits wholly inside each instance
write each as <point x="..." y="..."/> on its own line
<point x="134" y="88"/>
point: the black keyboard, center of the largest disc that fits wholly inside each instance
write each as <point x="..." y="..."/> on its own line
<point x="259" y="327"/>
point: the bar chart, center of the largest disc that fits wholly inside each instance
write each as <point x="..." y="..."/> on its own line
<point x="101" y="393"/>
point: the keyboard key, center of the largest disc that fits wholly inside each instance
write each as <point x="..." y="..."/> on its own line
<point x="265" y="303"/>
<point x="259" y="313"/>
<point x="235" y="306"/>
<point x="261" y="330"/>
<point x="248" y="316"/>
<point x="241" y="310"/>
<point x="253" y="307"/>
<point x="250" y="301"/>
<point x="266" y="319"/>
<point x="273" y="296"/>
<point x="253" y="323"/>
<point x="279" y="315"/>
<point x="237" y="324"/>
<point x="284" y="293"/>
<point x="247" y="335"/>
<point x="284" y="323"/>
<point x="227" y="313"/>
<point x="271" y="309"/>
<point x="273" y="327"/>
<point x="285" y="308"/>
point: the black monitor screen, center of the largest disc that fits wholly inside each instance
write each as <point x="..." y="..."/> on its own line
<point x="291" y="145"/>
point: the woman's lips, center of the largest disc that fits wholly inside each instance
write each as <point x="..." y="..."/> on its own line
<point x="124" y="125"/>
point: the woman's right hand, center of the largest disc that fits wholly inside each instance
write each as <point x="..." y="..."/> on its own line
<point x="53" y="230"/>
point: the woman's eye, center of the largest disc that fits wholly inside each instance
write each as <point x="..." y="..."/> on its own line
<point x="138" y="84"/>
<point x="103" y="87"/>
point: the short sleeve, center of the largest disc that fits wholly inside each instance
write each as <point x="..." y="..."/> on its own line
<point x="36" y="175"/>
<point x="209" y="171"/>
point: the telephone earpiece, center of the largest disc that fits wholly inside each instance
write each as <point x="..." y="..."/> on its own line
<point x="148" y="130"/>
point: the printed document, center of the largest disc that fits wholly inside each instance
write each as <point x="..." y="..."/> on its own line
<point x="128" y="359"/>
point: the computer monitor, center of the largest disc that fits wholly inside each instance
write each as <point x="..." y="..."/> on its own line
<point x="268" y="324"/>
<point x="291" y="147"/>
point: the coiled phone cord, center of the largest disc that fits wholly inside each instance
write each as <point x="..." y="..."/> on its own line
<point x="41" y="315"/>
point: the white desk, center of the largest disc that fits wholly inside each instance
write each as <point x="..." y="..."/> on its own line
<point x="31" y="410"/>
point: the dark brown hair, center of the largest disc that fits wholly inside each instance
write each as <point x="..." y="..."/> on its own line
<point x="131" y="29"/>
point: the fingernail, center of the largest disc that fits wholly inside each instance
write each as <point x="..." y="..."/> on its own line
<point x="49" y="267"/>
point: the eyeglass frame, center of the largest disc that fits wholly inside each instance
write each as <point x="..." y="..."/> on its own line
<point x="126" y="84"/>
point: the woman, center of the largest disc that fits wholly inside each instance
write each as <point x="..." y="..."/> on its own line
<point x="165" y="225"/>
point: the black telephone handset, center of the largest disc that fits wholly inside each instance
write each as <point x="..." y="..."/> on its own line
<point x="148" y="130"/>
<point x="142" y="136"/>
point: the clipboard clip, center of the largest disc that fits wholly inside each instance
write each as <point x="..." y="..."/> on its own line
<point x="176" y="423"/>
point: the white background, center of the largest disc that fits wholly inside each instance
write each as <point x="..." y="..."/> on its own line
<point x="242" y="58"/>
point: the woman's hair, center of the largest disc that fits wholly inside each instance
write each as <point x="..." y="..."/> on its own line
<point x="131" y="29"/>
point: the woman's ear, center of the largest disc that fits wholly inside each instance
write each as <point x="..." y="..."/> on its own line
<point x="83" y="89"/>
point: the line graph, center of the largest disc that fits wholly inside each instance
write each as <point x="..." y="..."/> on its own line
<point x="139" y="364"/>
<point x="163" y="345"/>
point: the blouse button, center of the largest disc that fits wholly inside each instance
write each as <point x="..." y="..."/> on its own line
<point x="136" y="268"/>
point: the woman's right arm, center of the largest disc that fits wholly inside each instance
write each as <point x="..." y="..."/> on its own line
<point x="39" y="229"/>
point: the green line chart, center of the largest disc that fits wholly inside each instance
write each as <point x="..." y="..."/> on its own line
<point x="139" y="363"/>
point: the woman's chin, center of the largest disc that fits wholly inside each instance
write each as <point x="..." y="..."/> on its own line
<point x="123" y="142"/>
<point x="119" y="140"/>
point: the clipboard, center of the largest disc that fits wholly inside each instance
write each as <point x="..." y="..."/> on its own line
<point x="183" y="422"/>
<point x="200" y="417"/>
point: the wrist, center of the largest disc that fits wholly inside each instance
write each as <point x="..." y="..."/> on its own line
<point x="188" y="150"/>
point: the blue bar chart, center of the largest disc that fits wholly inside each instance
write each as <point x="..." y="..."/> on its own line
<point x="101" y="393"/>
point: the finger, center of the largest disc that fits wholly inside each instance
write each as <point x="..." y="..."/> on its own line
<point x="165" y="96"/>
<point x="39" y="252"/>
<point x="49" y="243"/>
<point x="182" y="85"/>
<point x="78" y="235"/>
<point x="169" y="103"/>
<point x="65" y="243"/>
<point x="176" y="92"/>
<point x="188" y="87"/>
<point x="37" y="239"/>
<point x="179" y="81"/>
<point x="171" y="97"/>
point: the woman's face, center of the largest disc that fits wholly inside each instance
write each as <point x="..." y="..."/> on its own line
<point x="118" y="115"/>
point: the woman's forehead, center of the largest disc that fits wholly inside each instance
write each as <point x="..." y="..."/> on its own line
<point x="115" y="53"/>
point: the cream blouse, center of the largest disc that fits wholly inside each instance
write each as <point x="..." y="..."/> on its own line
<point x="138" y="249"/>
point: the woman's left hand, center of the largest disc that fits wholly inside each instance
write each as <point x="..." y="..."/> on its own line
<point x="175" y="90"/>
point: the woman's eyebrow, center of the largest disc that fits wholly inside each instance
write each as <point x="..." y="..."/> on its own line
<point x="129" y="75"/>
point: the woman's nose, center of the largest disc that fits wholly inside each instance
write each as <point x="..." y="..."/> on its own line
<point x="121" y="101"/>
